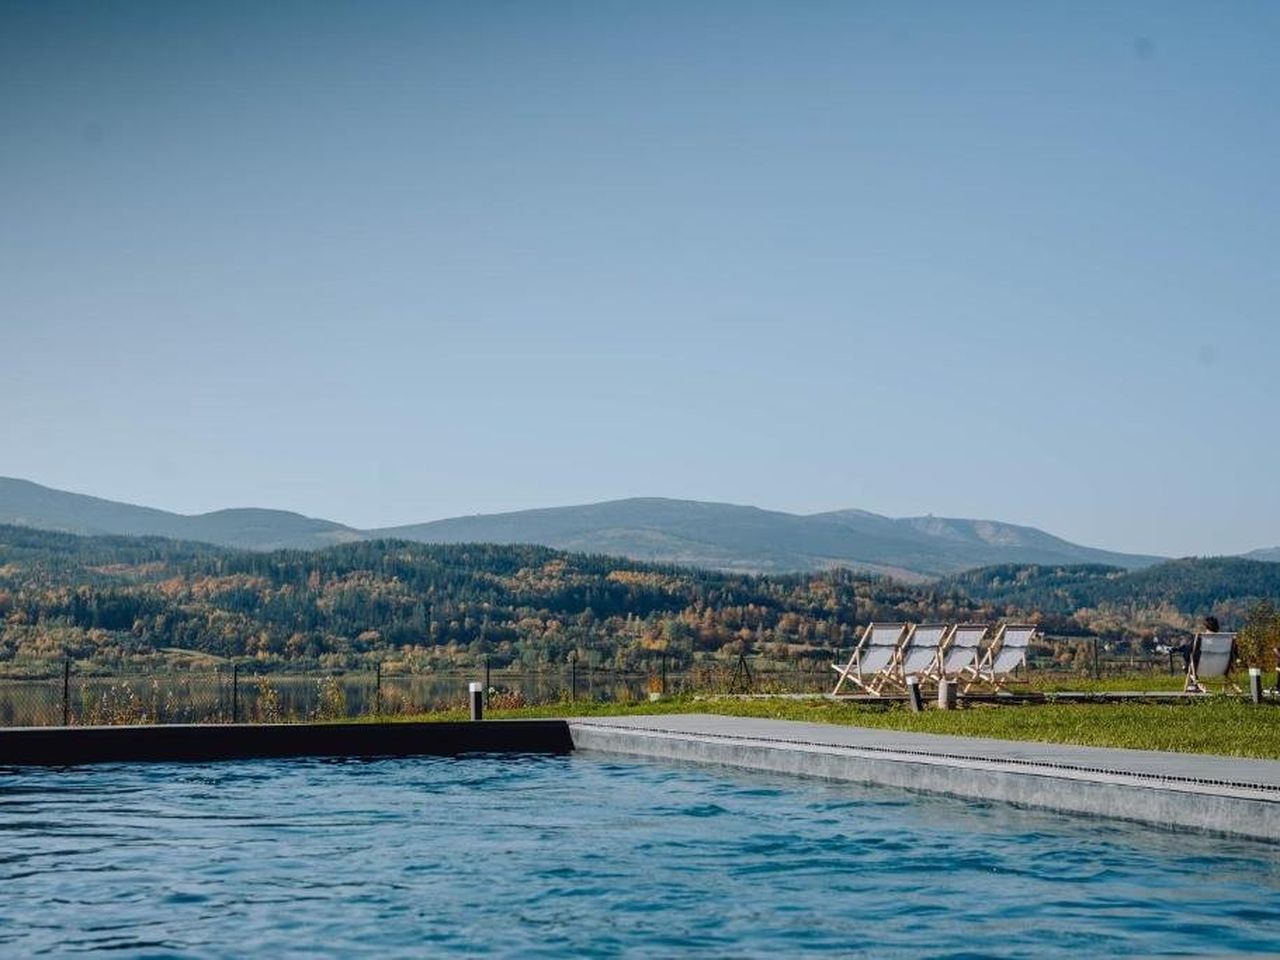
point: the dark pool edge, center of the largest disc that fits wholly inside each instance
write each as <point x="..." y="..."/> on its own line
<point x="64" y="746"/>
<point x="1225" y="812"/>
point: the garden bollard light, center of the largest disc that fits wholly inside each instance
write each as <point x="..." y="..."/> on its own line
<point x="913" y="694"/>
<point x="477" y="701"/>
<point x="1255" y="684"/>
<point x="946" y="694"/>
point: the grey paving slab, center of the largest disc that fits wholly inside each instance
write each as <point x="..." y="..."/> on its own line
<point x="1221" y="794"/>
<point x="1203" y="767"/>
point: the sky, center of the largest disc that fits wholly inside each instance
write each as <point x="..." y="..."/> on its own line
<point x="385" y="263"/>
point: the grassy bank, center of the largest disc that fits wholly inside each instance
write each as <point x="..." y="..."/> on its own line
<point x="1219" y="725"/>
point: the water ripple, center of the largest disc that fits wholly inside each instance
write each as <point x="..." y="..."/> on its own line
<point x="556" y="856"/>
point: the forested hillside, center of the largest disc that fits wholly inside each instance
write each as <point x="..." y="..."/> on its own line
<point x="111" y="601"/>
<point x="1166" y="598"/>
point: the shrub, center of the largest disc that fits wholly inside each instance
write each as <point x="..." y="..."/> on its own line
<point x="266" y="707"/>
<point x="1258" y="641"/>
<point x="332" y="701"/>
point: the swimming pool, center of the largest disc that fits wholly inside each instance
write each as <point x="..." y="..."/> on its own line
<point x="594" y="856"/>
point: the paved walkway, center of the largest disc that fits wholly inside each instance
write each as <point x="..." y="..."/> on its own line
<point x="1222" y="794"/>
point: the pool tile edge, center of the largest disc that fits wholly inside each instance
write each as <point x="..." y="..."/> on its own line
<point x="1204" y="807"/>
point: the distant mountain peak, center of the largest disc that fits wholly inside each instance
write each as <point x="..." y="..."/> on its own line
<point x="693" y="532"/>
<point x="29" y="504"/>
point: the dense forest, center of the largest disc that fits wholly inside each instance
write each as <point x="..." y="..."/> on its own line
<point x="1162" y="600"/>
<point x="117" y="601"/>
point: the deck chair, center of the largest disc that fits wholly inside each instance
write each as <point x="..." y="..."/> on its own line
<point x="871" y="665"/>
<point x="963" y="650"/>
<point x="921" y="653"/>
<point x="1007" y="652"/>
<point x="1211" y="658"/>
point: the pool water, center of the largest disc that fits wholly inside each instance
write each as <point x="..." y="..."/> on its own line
<point x="590" y="855"/>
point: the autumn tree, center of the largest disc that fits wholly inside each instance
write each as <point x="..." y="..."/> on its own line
<point x="1258" y="641"/>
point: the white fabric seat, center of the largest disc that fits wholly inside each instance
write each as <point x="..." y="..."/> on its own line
<point x="1007" y="652"/>
<point x="963" y="650"/>
<point x="1211" y="659"/>
<point x="871" y="665"/>
<point x="922" y="651"/>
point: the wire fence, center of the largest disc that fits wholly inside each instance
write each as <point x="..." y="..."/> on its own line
<point x="240" y="694"/>
<point x="1090" y="657"/>
<point x="66" y="695"/>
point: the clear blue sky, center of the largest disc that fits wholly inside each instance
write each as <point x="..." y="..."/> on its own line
<point x="387" y="262"/>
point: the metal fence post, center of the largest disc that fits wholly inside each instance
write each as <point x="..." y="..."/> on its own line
<point x="487" y="685"/>
<point x="235" y="693"/>
<point x="66" y="692"/>
<point x="377" y="689"/>
<point x="742" y="675"/>
<point x="573" y="676"/>
<point x="664" y="673"/>
<point x="1097" y="669"/>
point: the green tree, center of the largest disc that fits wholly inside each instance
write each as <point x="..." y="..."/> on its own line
<point x="1258" y="641"/>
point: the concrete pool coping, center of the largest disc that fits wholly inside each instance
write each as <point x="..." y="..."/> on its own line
<point x="1227" y="795"/>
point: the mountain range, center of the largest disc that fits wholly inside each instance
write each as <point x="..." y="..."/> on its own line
<point x="1269" y="554"/>
<point x="715" y="535"/>
<point x="729" y="537"/>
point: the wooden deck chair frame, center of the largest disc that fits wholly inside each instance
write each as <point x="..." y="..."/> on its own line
<point x="1215" y="653"/>
<point x="871" y="664"/>
<point x="957" y="665"/>
<point x="913" y="657"/>
<point x="996" y="666"/>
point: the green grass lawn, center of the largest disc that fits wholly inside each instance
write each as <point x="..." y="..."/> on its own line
<point x="1124" y="683"/>
<point x="1215" y="724"/>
